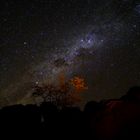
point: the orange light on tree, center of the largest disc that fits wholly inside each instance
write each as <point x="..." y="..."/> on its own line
<point x="66" y="93"/>
<point x="79" y="84"/>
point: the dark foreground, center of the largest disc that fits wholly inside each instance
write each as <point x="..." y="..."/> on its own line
<point x="106" y="120"/>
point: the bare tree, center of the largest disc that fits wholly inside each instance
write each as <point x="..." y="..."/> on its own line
<point x="67" y="93"/>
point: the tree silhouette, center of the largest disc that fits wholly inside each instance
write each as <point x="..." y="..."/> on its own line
<point x="66" y="93"/>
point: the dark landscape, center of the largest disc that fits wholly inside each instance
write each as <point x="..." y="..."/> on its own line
<point x="112" y="119"/>
<point x="70" y="69"/>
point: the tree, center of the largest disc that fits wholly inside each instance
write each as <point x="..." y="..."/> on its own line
<point x="66" y="93"/>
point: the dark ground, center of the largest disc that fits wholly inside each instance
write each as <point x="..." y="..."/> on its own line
<point x="113" y="119"/>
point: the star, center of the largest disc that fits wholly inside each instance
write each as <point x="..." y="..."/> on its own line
<point x="25" y="43"/>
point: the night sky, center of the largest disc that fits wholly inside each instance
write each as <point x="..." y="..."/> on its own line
<point x="96" y="39"/>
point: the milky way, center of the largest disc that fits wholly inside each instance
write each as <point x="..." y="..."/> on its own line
<point x="68" y="61"/>
<point x="98" y="40"/>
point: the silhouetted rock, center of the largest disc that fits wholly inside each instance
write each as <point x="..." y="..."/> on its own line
<point x="121" y="118"/>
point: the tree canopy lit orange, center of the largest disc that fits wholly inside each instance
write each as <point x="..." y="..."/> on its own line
<point x="78" y="83"/>
<point x="67" y="92"/>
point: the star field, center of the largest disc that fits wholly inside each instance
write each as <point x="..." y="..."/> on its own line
<point x="98" y="39"/>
